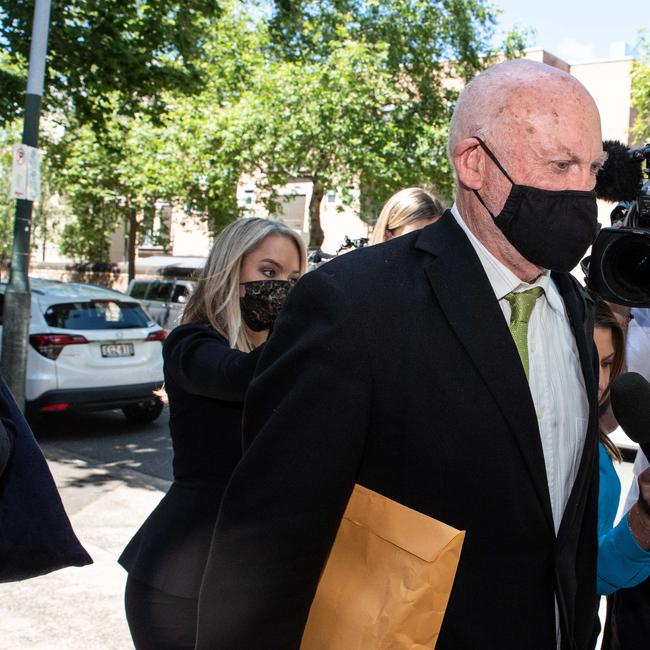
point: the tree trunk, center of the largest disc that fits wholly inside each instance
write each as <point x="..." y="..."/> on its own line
<point x="44" y="243"/>
<point x="316" y="234"/>
<point x="133" y="241"/>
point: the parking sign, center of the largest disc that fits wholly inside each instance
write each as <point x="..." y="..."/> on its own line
<point x="26" y="173"/>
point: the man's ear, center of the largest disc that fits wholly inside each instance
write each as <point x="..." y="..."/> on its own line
<point x="469" y="163"/>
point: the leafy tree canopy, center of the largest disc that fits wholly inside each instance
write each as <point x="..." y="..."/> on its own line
<point x="136" y="48"/>
<point x="361" y="91"/>
<point x="641" y="92"/>
<point x="163" y="100"/>
<point x="188" y="154"/>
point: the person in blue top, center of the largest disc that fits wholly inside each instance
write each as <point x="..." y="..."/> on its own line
<point x="624" y="549"/>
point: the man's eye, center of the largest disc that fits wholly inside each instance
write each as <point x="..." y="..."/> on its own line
<point x="562" y="164"/>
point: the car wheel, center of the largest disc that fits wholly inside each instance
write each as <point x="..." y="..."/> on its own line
<point x="143" y="412"/>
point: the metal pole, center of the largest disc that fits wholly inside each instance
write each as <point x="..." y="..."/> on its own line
<point x="17" y="303"/>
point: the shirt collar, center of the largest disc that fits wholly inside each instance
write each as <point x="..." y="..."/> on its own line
<point x="501" y="278"/>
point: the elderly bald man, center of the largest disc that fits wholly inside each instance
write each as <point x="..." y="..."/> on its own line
<point x="396" y="367"/>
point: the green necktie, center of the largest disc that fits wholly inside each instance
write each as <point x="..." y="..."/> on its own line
<point x="522" y="303"/>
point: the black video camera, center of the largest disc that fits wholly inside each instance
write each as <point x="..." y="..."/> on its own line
<point x="619" y="268"/>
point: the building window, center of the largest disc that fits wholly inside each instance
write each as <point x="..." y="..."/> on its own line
<point x="331" y="197"/>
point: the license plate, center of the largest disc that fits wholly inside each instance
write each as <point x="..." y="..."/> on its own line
<point x="118" y="350"/>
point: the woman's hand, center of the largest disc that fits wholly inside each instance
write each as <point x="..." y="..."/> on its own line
<point x="639" y="516"/>
<point x="644" y="491"/>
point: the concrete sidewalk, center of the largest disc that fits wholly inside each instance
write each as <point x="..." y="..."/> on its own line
<point x="82" y="608"/>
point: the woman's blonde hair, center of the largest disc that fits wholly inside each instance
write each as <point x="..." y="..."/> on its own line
<point x="215" y="299"/>
<point x="404" y="207"/>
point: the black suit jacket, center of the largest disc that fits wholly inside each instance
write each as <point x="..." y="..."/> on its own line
<point x="205" y="381"/>
<point x="394" y="367"/>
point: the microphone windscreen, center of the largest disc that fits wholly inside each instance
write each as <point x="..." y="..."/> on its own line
<point x="630" y="395"/>
<point x="620" y="177"/>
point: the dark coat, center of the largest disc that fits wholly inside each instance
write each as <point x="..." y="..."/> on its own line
<point x="7" y="437"/>
<point x="628" y="618"/>
<point x="206" y="381"/>
<point x="35" y="533"/>
<point x="394" y="367"/>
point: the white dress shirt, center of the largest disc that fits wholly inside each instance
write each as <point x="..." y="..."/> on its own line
<point x="556" y="380"/>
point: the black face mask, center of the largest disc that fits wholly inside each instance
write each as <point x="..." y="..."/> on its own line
<point x="552" y="229"/>
<point x="262" y="302"/>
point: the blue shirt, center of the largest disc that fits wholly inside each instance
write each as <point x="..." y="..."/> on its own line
<point x="621" y="561"/>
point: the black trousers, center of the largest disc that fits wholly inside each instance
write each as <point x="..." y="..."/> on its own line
<point x="628" y="619"/>
<point x="158" y="620"/>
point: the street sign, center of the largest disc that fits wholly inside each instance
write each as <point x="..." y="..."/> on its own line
<point x="26" y="173"/>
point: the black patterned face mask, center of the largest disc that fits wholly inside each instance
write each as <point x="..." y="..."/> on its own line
<point x="262" y="302"/>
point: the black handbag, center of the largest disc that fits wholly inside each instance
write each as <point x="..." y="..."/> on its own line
<point x="35" y="533"/>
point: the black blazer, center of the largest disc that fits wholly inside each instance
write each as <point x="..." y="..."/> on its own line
<point x="394" y="367"/>
<point x="206" y="381"/>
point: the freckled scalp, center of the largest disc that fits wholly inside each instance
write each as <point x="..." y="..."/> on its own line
<point x="515" y="94"/>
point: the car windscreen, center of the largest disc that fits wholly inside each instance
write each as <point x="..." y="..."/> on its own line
<point x="139" y="290"/>
<point x="96" y="315"/>
<point x="160" y="291"/>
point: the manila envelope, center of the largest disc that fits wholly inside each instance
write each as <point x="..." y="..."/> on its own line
<point x="387" y="581"/>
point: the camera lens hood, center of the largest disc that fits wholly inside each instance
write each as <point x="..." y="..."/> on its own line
<point x="619" y="268"/>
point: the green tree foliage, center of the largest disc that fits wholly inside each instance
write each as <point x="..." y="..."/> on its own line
<point x="641" y="92"/>
<point x="86" y="174"/>
<point x="7" y="205"/>
<point x="330" y="122"/>
<point x="209" y="130"/>
<point x="187" y="154"/>
<point x="172" y="101"/>
<point x="358" y="91"/>
<point x="97" y="48"/>
<point x="112" y="178"/>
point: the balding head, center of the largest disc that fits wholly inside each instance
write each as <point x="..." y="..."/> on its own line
<point x="504" y="97"/>
<point x="542" y="126"/>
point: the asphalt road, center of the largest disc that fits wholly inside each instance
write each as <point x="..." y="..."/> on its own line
<point x="108" y="439"/>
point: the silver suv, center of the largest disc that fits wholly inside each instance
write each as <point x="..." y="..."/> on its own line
<point x="164" y="300"/>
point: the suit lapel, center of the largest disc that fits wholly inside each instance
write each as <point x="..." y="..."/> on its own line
<point x="475" y="316"/>
<point x="572" y="518"/>
<point x="575" y="308"/>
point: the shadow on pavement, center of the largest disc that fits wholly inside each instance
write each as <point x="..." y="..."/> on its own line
<point x="106" y="441"/>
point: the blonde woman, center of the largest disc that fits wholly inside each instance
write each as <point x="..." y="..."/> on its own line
<point x="209" y="361"/>
<point x="408" y="210"/>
